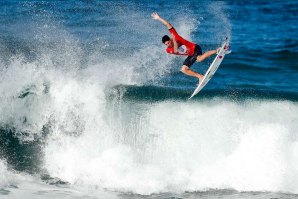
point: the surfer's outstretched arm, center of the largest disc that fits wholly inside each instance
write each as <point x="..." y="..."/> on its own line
<point x="155" y="16"/>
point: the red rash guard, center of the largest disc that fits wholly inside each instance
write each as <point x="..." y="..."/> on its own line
<point x="184" y="47"/>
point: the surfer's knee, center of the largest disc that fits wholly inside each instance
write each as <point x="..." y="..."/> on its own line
<point x="184" y="68"/>
<point x="200" y="58"/>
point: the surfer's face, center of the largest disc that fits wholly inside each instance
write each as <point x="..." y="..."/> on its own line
<point x="169" y="43"/>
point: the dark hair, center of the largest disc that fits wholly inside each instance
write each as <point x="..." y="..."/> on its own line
<point x="165" y="38"/>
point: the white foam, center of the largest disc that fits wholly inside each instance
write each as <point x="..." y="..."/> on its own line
<point x="9" y="177"/>
<point x="3" y="174"/>
<point x="179" y="147"/>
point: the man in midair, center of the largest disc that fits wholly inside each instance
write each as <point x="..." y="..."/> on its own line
<point x="180" y="46"/>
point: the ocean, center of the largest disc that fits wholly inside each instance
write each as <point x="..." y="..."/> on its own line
<point x="93" y="107"/>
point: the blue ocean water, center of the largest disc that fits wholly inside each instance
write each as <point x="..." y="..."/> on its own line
<point x="93" y="107"/>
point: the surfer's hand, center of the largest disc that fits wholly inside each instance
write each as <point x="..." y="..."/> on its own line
<point x="155" y="16"/>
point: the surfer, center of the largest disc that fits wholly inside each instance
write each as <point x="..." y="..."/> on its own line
<point x="180" y="46"/>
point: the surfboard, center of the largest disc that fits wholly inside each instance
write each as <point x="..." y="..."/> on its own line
<point x="213" y="67"/>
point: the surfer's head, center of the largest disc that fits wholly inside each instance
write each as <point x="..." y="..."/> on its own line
<point x="167" y="41"/>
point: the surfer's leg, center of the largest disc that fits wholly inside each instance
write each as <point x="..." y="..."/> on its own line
<point x="187" y="71"/>
<point x="207" y="54"/>
<point x="188" y="62"/>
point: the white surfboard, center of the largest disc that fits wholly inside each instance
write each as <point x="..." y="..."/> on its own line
<point x="213" y="67"/>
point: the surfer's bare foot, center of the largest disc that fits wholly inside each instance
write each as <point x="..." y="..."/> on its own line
<point x="217" y="50"/>
<point x="200" y="77"/>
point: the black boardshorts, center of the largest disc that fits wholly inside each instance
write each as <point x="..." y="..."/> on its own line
<point x="190" y="60"/>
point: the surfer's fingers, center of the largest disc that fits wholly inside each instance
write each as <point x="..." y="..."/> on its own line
<point x="154" y="15"/>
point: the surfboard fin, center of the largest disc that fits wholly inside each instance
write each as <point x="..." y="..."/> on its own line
<point x="227" y="49"/>
<point x="228" y="52"/>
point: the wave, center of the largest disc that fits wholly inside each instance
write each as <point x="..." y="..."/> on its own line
<point x="122" y="141"/>
<point x="123" y="144"/>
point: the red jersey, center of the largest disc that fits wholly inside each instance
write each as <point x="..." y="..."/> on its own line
<point x="184" y="47"/>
